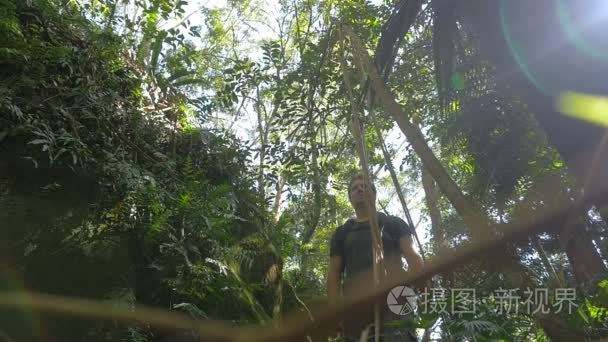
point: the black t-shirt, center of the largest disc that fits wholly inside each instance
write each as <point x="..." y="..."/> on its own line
<point x="353" y="241"/>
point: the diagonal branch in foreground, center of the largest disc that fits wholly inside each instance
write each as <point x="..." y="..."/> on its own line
<point x="96" y="309"/>
<point x="328" y="317"/>
<point x="296" y="326"/>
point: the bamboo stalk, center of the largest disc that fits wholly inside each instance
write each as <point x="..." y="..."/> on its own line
<point x="378" y="251"/>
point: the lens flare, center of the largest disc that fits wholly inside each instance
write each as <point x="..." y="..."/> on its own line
<point x="517" y="51"/>
<point x="18" y="323"/>
<point x="575" y="35"/>
<point x="571" y="48"/>
<point x="584" y="107"/>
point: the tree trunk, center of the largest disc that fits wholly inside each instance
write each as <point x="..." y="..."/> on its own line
<point x="556" y="279"/>
<point x="316" y="205"/>
<point x="262" y="132"/>
<point x="277" y="198"/>
<point x="312" y="221"/>
<point x="432" y="200"/>
<point x="473" y="216"/>
<point x="426" y="337"/>
<point x="557" y="329"/>
<point x="277" y="312"/>
<point x="391" y="169"/>
<point x="586" y="262"/>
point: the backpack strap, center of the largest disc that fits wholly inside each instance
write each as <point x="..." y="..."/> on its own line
<point x="383" y="219"/>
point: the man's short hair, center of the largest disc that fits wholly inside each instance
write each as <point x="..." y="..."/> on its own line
<point x="355" y="177"/>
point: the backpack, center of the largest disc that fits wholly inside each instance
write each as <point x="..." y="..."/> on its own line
<point x="389" y="226"/>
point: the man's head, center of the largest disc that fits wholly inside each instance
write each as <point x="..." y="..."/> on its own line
<point x="359" y="190"/>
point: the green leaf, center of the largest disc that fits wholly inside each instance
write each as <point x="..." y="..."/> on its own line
<point x="189" y="82"/>
<point x="38" y="141"/>
<point x="192" y="309"/>
<point x="156" y="49"/>
<point x="178" y="73"/>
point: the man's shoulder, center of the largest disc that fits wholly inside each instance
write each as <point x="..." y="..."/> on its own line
<point x="346" y="225"/>
<point x="394" y="222"/>
<point x="388" y="218"/>
<point x="397" y="220"/>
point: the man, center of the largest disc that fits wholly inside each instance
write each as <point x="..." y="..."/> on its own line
<point x="351" y="260"/>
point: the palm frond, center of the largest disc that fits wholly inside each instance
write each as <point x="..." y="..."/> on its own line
<point x="156" y="49"/>
<point x="398" y="25"/>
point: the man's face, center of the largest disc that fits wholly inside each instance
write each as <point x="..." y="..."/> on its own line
<point x="360" y="191"/>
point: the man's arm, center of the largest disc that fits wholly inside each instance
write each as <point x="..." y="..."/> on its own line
<point x="334" y="279"/>
<point x="414" y="260"/>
